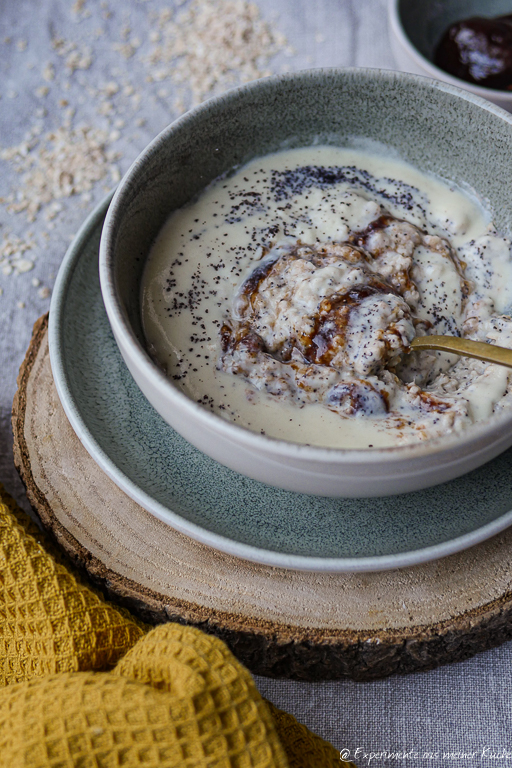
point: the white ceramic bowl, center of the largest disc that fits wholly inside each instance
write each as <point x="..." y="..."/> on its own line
<point x="416" y="26"/>
<point x="430" y="124"/>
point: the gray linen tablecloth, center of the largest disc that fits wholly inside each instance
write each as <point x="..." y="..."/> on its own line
<point x="63" y="66"/>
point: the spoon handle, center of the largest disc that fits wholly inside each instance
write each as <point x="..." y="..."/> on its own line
<point x="465" y="347"/>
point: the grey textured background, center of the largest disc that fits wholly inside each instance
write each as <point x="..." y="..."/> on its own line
<point x="462" y="708"/>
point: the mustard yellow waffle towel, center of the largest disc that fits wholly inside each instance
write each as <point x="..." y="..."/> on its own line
<point x="85" y="685"/>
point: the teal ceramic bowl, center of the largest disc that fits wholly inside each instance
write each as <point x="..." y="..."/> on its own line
<point x="432" y="125"/>
<point x="416" y="27"/>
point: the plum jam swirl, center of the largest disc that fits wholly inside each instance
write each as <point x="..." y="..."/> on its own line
<point x="330" y="322"/>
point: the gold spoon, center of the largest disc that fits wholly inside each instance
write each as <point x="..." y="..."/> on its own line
<point x="465" y="347"/>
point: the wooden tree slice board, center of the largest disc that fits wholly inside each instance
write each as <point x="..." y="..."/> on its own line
<point x="278" y="622"/>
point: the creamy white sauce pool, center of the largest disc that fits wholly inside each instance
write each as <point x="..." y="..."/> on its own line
<point x="285" y="297"/>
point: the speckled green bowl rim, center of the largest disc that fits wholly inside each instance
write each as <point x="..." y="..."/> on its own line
<point x="198" y="533"/>
<point x="430" y="68"/>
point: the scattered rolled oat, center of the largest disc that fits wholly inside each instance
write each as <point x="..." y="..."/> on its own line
<point x="110" y="88"/>
<point x="63" y="163"/>
<point x="48" y="72"/>
<point x="78" y="7"/>
<point x="126" y="50"/>
<point x="209" y="46"/>
<point x="12" y="249"/>
<point x="107" y="13"/>
<point x="13" y="246"/>
<point x="22" y="265"/>
<point x="75" y="57"/>
<point x="201" y="48"/>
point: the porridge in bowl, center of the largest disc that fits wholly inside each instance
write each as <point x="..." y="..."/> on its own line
<point x="285" y="299"/>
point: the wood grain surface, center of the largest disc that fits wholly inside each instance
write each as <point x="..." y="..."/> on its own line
<point x="278" y="622"/>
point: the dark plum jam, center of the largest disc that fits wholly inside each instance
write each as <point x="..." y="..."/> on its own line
<point x="479" y="51"/>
